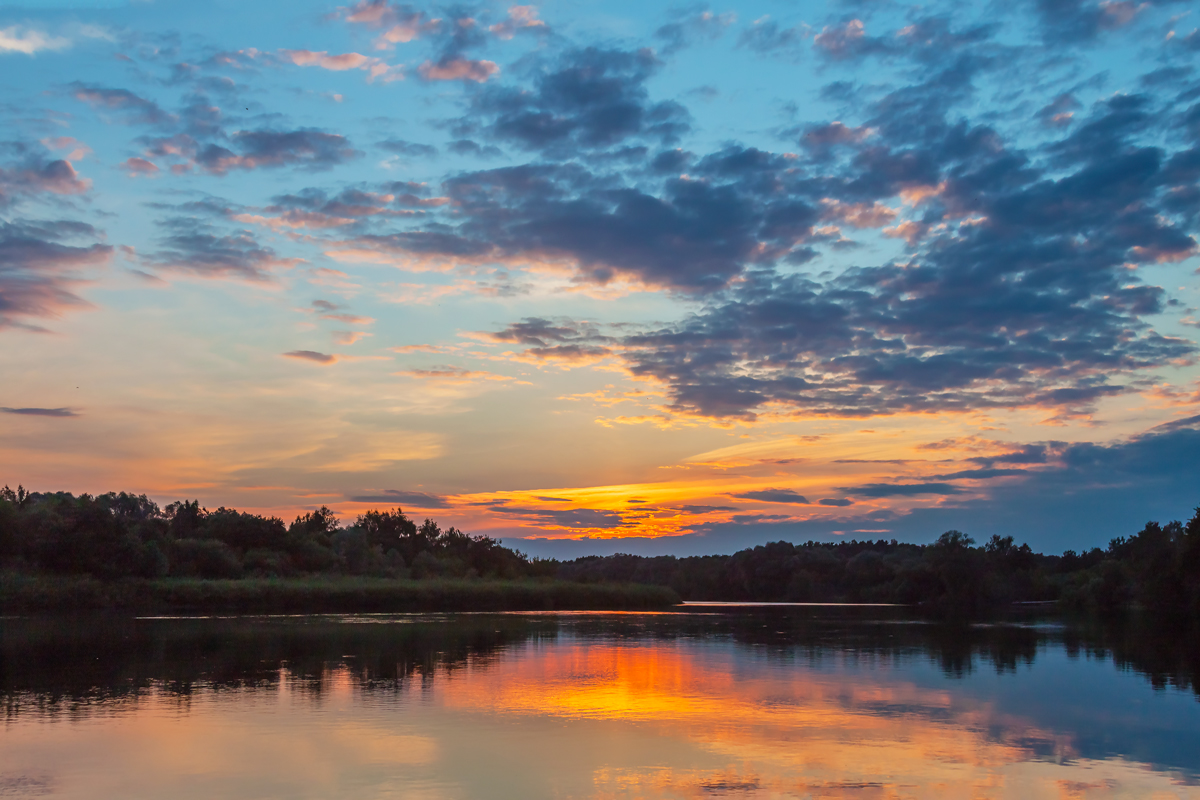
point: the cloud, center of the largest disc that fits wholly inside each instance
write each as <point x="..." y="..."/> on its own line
<point x="458" y="69"/>
<point x="847" y="41"/>
<point x="334" y="311"/>
<point x="880" y="490"/>
<point x="41" y="412"/>
<point x="468" y="147"/>
<point x="520" y="19"/>
<point x="312" y="355"/>
<point x="767" y="37"/>
<point x="572" y="518"/>
<point x="589" y="98"/>
<point x="347" y="338"/>
<point x="980" y="474"/>
<point x="451" y="374"/>
<point x="405" y="148"/>
<point x="402" y="498"/>
<point x="1087" y="493"/>
<point x="135" y="108"/>
<point x="692" y="27"/>
<point x="255" y="149"/>
<point x="774" y="496"/>
<point x="823" y="140"/>
<point x="40" y="270"/>
<point x="541" y="332"/>
<point x="315" y="209"/>
<point x="139" y="166"/>
<point x="840" y="502"/>
<point x="376" y="68"/>
<point x="1079" y="21"/>
<point x="191" y="246"/>
<point x="695" y="236"/>
<point x="34" y="174"/>
<point x="1060" y="112"/>
<point x="398" y="23"/>
<point x="18" y="39"/>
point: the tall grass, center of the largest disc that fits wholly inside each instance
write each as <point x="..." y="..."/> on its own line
<point x="21" y="594"/>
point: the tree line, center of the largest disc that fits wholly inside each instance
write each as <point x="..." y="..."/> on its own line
<point x="119" y="535"/>
<point x="1157" y="569"/>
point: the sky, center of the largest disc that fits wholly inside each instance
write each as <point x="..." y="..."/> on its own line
<point x="597" y="277"/>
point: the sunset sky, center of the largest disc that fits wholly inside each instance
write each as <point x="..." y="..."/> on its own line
<point x="597" y="277"/>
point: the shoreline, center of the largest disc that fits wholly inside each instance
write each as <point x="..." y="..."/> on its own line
<point x="21" y="594"/>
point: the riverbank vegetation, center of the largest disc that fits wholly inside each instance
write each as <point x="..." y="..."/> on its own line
<point x="123" y="551"/>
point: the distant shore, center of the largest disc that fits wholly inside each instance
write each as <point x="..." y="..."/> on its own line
<point x="30" y="594"/>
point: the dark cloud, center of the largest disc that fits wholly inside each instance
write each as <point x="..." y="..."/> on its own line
<point x="1030" y="303"/>
<point x="313" y="356"/>
<point x="41" y="412"/>
<point x="32" y="173"/>
<point x="567" y="517"/>
<point x="840" y="502"/>
<point x="402" y="498"/>
<point x="694" y="235"/>
<point x="980" y="474"/>
<point x="878" y="490"/>
<point x="410" y="149"/>
<point x="337" y="312"/>
<point x="40" y="267"/>
<point x="692" y="26"/>
<point x="590" y="98"/>
<point x="306" y="147"/>
<point x="1076" y="21"/>
<point x="469" y="147"/>
<point x="848" y="40"/>
<point x="1087" y="494"/>
<point x="134" y="108"/>
<point x="930" y="40"/>
<point x="1060" y="111"/>
<point x="768" y="37"/>
<point x="192" y="246"/>
<point x="773" y="496"/>
<point x="540" y="332"/>
<point x="350" y="208"/>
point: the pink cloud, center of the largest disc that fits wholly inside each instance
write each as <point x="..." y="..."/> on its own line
<point x="458" y="69"/>
<point x="518" y="17"/>
<point x="78" y="149"/>
<point x="858" y="215"/>
<point x="374" y="67"/>
<point x="55" y="177"/>
<point x="840" y="41"/>
<point x="399" y="24"/>
<point x="348" y="338"/>
<point x="139" y="166"/>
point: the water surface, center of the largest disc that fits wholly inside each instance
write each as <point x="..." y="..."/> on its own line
<point x="704" y="703"/>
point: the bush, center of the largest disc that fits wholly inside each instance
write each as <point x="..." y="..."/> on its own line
<point x="204" y="558"/>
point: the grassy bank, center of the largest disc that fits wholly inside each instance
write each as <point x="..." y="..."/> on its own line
<point x="23" y="594"/>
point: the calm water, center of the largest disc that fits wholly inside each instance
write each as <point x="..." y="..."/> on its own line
<point x="750" y="703"/>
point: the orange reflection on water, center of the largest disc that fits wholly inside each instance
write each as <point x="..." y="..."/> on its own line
<point x="574" y="717"/>
<point x="777" y="729"/>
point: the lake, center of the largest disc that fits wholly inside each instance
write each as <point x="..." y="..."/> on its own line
<point x="707" y="702"/>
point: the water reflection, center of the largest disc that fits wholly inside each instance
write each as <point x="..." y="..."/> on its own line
<point x="761" y="703"/>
